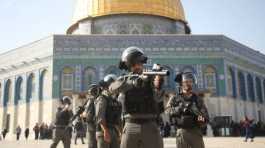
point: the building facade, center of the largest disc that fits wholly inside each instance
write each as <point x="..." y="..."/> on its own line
<point x="35" y="76"/>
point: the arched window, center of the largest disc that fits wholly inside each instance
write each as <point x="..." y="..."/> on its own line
<point x="43" y="80"/>
<point x="89" y="76"/>
<point x="251" y="93"/>
<point x="258" y="90"/>
<point x="242" y="86"/>
<point x="19" y="90"/>
<point x="231" y="83"/>
<point x="30" y="87"/>
<point x="67" y="79"/>
<point x="7" y="92"/>
<point x="188" y="69"/>
<point x="210" y="79"/>
<point x="135" y="31"/>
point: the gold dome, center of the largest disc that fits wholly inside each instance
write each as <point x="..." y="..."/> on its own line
<point x="93" y="8"/>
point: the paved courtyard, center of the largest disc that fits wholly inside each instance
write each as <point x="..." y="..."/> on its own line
<point x="169" y="143"/>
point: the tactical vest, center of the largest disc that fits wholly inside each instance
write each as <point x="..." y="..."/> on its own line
<point x="91" y="112"/>
<point x="140" y="100"/>
<point x="63" y="117"/>
<point x="188" y="119"/>
<point x="113" y="112"/>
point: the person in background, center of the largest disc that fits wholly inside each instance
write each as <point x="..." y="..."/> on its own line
<point x="36" y="130"/>
<point x="26" y="133"/>
<point x="42" y="131"/>
<point x="4" y="132"/>
<point x="248" y="125"/>
<point x="18" y="132"/>
<point x="63" y="131"/>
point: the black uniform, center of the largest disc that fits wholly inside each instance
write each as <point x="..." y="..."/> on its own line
<point x="186" y="110"/>
<point x="63" y="133"/>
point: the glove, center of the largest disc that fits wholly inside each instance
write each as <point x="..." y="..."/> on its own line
<point x="81" y="109"/>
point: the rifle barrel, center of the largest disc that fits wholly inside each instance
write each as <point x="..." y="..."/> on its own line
<point x="162" y="73"/>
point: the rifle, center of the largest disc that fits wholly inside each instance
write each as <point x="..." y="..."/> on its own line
<point x="94" y="91"/>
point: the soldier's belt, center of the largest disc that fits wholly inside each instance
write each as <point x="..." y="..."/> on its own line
<point x="140" y="120"/>
<point x="140" y="116"/>
<point x="60" y="126"/>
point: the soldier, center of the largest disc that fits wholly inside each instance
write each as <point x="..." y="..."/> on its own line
<point x="63" y="117"/>
<point x="190" y="113"/>
<point x="140" y="104"/>
<point x="89" y="113"/>
<point x="108" y="116"/>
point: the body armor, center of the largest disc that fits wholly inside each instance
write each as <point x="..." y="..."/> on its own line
<point x="140" y="100"/>
<point x="113" y="112"/>
<point x="185" y="113"/>
<point x="91" y="112"/>
<point x="63" y="117"/>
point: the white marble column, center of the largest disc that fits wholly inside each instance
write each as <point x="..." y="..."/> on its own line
<point x="255" y="107"/>
<point x="263" y="90"/>
<point x="237" y="99"/>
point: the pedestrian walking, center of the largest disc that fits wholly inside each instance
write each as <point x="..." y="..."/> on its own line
<point x="18" y="132"/>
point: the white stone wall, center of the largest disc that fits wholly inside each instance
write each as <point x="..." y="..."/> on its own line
<point x="224" y="106"/>
<point x="21" y="62"/>
<point x="21" y="118"/>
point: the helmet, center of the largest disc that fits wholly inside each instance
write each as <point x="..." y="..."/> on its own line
<point x="66" y="100"/>
<point x="130" y="56"/>
<point x="108" y="79"/>
<point x="94" y="90"/>
<point x="185" y="76"/>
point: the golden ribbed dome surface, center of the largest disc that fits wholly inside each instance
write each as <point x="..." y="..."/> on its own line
<point x="93" y="8"/>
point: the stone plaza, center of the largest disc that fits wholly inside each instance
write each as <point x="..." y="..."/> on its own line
<point x="224" y="142"/>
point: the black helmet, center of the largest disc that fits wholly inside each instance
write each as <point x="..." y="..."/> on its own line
<point x="66" y="100"/>
<point x="93" y="90"/>
<point x="185" y="76"/>
<point x="130" y="56"/>
<point x="108" y="79"/>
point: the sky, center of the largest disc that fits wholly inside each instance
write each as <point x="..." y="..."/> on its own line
<point x="25" y="21"/>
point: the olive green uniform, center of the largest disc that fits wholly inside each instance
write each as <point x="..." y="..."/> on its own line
<point x="91" y="127"/>
<point x="141" y="109"/>
<point x="109" y="110"/>
<point x="185" y="110"/>
<point x="62" y="132"/>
